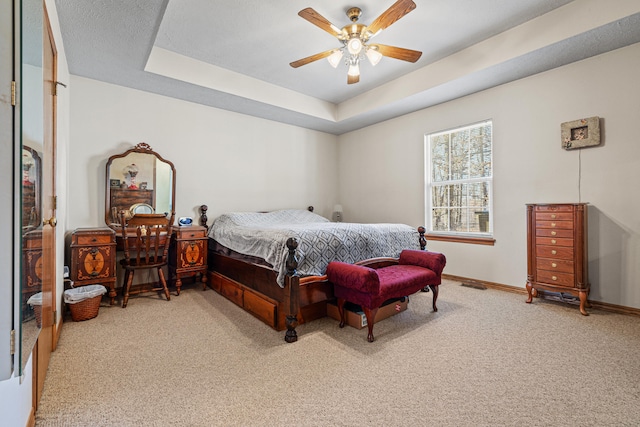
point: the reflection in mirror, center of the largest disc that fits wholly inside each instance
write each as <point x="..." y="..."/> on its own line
<point x="31" y="188"/>
<point x="31" y="301"/>
<point x="32" y="137"/>
<point x="138" y="181"/>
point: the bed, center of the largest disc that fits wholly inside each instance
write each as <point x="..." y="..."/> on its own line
<point x="273" y="263"/>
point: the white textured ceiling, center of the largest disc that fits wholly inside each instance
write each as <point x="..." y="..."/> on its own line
<point x="236" y="55"/>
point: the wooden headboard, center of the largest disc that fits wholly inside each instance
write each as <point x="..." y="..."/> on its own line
<point x="204" y="219"/>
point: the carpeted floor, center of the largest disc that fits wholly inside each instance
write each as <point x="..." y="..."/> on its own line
<point x="484" y="359"/>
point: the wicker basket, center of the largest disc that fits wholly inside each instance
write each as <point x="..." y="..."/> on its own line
<point x="37" y="309"/>
<point x="35" y="302"/>
<point x="86" y="309"/>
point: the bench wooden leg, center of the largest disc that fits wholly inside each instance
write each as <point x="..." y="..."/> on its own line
<point x="434" y="289"/>
<point x="370" y="313"/>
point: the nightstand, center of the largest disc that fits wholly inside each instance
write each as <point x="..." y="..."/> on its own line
<point x="188" y="254"/>
<point x="93" y="258"/>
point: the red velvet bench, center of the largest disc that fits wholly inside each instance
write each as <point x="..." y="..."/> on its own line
<point x="370" y="283"/>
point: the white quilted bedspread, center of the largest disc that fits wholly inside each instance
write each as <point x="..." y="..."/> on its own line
<point x="320" y="241"/>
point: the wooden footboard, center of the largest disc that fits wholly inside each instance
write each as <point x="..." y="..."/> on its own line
<point x="254" y="288"/>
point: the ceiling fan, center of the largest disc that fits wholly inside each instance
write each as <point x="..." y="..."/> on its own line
<point x="354" y="38"/>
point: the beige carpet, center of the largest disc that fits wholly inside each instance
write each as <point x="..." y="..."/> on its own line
<point x="484" y="359"/>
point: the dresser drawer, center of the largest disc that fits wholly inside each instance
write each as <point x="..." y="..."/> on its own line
<point x="554" y="224"/>
<point x="92" y="236"/>
<point x="553" y="208"/>
<point x="555" y="265"/>
<point x="559" y="279"/>
<point x="190" y="232"/>
<point x="262" y="309"/>
<point x="554" y="216"/>
<point x="555" y="252"/>
<point x="97" y="239"/>
<point x="232" y="292"/>
<point x="552" y="232"/>
<point x="552" y="241"/>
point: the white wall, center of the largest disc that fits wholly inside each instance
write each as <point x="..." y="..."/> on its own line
<point x="223" y="159"/>
<point x="381" y="170"/>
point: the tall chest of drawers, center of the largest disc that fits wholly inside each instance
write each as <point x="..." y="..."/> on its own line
<point x="557" y="256"/>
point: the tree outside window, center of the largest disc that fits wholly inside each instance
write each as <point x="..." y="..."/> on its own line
<point x="459" y="180"/>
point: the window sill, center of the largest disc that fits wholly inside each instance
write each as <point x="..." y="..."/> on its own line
<point x="489" y="241"/>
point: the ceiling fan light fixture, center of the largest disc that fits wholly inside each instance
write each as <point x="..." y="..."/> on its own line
<point x="354" y="69"/>
<point x="355" y="38"/>
<point x="354" y="45"/>
<point x="335" y="57"/>
<point x="373" y="55"/>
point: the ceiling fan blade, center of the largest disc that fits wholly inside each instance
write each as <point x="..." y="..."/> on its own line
<point x="398" y="52"/>
<point x="312" y="58"/>
<point x="391" y="15"/>
<point x="319" y="21"/>
<point x="353" y="79"/>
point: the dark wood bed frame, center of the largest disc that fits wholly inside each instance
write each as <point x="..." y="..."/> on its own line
<point x="254" y="287"/>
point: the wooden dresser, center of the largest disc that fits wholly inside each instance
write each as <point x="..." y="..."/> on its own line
<point x="93" y="258"/>
<point x="188" y="254"/>
<point x="557" y="257"/>
<point x="124" y="198"/>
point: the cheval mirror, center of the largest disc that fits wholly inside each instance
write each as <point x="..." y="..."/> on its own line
<point x="139" y="181"/>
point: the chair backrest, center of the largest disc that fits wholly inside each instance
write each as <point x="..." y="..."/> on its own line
<point x="146" y="239"/>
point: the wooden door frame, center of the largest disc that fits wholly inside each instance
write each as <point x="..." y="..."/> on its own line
<point x="47" y="338"/>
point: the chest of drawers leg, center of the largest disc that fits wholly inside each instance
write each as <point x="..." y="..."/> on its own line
<point x="188" y="254"/>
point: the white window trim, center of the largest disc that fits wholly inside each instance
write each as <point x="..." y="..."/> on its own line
<point x="428" y="185"/>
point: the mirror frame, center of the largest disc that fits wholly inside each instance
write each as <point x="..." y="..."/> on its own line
<point x="142" y="148"/>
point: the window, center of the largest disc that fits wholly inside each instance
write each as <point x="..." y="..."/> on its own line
<point x="459" y="174"/>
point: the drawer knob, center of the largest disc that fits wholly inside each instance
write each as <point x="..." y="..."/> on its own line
<point x="554" y="278"/>
<point x="553" y="252"/>
<point x="554" y="265"/>
<point x="553" y="224"/>
<point x="94" y="240"/>
<point x="553" y="216"/>
<point x="553" y="241"/>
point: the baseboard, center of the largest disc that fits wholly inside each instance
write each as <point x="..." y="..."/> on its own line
<point x="620" y="309"/>
<point x="57" y="332"/>
<point x="489" y="285"/>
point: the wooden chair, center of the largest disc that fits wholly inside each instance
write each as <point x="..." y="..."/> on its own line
<point x="146" y="244"/>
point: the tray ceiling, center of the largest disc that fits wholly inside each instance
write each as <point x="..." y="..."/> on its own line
<point x="236" y="55"/>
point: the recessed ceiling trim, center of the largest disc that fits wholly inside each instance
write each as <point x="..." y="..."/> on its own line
<point x="173" y="65"/>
